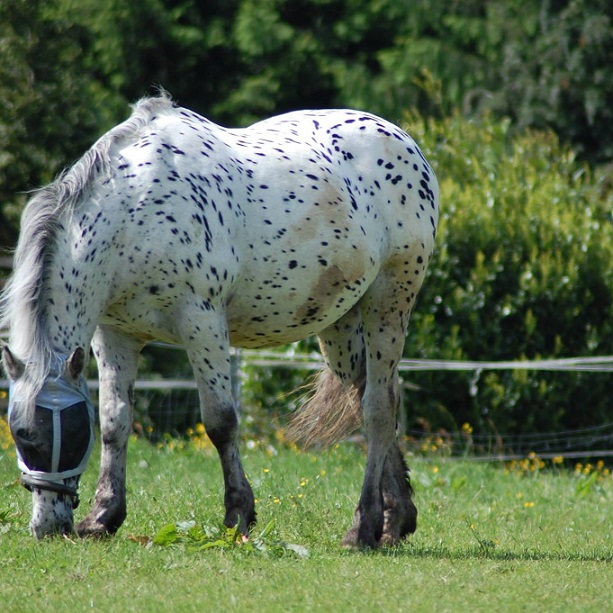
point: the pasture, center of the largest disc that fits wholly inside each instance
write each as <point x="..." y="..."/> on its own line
<point x="506" y="538"/>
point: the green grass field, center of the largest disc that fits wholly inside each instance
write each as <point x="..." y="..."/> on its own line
<point x="519" y="538"/>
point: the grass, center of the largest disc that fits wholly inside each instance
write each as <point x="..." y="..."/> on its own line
<point x="514" y="538"/>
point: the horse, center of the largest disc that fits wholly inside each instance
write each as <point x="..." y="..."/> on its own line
<point x="170" y="227"/>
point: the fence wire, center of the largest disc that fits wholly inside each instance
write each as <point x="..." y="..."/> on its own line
<point x="587" y="442"/>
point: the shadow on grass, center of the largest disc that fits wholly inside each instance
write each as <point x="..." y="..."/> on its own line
<point x="490" y="553"/>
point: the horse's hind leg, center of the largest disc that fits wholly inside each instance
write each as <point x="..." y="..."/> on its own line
<point x="399" y="512"/>
<point x="332" y="410"/>
<point x="117" y="356"/>
<point x="385" y="511"/>
<point x="206" y="342"/>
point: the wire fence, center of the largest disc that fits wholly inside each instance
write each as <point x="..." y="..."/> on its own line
<point x="178" y="398"/>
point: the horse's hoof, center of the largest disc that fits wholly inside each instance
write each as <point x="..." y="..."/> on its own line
<point x="389" y="540"/>
<point x="352" y="540"/>
<point x="93" y="530"/>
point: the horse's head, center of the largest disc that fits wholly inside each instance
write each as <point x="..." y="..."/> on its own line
<point x="53" y="429"/>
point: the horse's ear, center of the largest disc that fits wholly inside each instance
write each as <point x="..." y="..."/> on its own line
<point x="76" y="362"/>
<point x="13" y="366"/>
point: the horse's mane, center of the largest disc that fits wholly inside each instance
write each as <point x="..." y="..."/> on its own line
<point x="23" y="304"/>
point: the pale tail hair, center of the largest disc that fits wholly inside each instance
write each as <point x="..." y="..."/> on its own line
<point x="330" y="412"/>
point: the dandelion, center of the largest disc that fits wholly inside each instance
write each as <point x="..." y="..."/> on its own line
<point x="266" y="470"/>
<point x="528" y="505"/>
<point x="200" y="429"/>
<point x="435" y="469"/>
<point x="467" y="429"/>
<point x="558" y="460"/>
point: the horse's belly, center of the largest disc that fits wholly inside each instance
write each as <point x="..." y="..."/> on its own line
<point x="285" y="312"/>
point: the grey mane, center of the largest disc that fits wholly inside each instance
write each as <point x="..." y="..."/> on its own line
<point x="23" y="307"/>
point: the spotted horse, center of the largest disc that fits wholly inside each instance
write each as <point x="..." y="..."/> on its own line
<point x="173" y="228"/>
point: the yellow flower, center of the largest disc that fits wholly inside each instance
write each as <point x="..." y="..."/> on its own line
<point x="558" y="459"/>
<point x="467" y="428"/>
<point x="6" y="440"/>
<point x="200" y="429"/>
<point x="528" y="505"/>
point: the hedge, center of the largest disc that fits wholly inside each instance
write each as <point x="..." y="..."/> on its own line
<point x="523" y="270"/>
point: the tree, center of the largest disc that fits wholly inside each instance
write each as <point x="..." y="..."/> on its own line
<point x="46" y="113"/>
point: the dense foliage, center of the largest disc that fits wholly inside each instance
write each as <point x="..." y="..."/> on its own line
<point x="523" y="270"/>
<point x="68" y="68"/>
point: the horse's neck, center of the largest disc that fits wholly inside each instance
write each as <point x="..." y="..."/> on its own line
<point x="77" y="292"/>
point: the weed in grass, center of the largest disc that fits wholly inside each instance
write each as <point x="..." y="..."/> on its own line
<point x="201" y="538"/>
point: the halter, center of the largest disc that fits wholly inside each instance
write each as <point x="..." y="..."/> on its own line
<point x="31" y="483"/>
<point x="57" y="394"/>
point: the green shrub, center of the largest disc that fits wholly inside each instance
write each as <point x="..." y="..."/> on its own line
<point x="522" y="271"/>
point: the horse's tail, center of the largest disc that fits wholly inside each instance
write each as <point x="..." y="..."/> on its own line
<point x="330" y="412"/>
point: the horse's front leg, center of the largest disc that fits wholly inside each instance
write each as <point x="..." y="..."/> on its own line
<point x="117" y="356"/>
<point x="206" y="342"/>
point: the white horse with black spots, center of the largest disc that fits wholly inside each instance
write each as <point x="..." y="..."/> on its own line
<point x="173" y="228"/>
